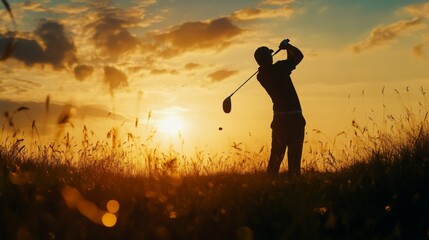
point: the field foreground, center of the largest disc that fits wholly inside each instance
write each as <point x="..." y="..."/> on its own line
<point x="384" y="197"/>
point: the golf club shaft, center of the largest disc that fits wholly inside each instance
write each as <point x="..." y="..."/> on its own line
<point x="278" y="50"/>
<point x="243" y="83"/>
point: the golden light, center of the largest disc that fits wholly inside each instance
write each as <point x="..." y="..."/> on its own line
<point x="173" y="215"/>
<point x="321" y="210"/>
<point x="109" y="219"/>
<point x="171" y="124"/>
<point x="112" y="206"/>
<point x="71" y="196"/>
<point x="388" y="208"/>
<point x="19" y="178"/>
<point x="75" y="200"/>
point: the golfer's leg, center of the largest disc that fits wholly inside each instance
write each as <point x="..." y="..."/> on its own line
<point x="294" y="153"/>
<point x="278" y="148"/>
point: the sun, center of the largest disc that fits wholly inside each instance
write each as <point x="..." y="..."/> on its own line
<point x="172" y="124"/>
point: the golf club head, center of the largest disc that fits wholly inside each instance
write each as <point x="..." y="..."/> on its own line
<point x="226" y="105"/>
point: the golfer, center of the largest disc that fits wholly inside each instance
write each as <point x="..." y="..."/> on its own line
<point x="288" y="125"/>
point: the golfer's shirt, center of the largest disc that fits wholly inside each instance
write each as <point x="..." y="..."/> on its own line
<point x="278" y="84"/>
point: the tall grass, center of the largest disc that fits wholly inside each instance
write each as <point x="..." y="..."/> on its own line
<point x="140" y="155"/>
<point x="372" y="186"/>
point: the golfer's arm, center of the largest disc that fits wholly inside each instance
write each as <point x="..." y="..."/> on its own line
<point x="294" y="53"/>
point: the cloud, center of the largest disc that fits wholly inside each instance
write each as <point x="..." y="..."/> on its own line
<point x="277" y="2"/>
<point x="134" y="69"/>
<point x="56" y="9"/>
<point x="4" y="16"/>
<point x="26" y="50"/>
<point x="221" y="75"/>
<point x="59" y="49"/>
<point x="8" y="8"/>
<point x="82" y="72"/>
<point x="383" y="35"/>
<point x="262" y="13"/>
<point x="192" y="66"/>
<point x="109" y="32"/>
<point x="190" y="36"/>
<point x="33" y="6"/>
<point x="281" y="9"/>
<point x="18" y="86"/>
<point x="418" y="49"/>
<point x="421" y="10"/>
<point x="158" y="71"/>
<point x="38" y="112"/>
<point x="54" y="47"/>
<point x="114" y="78"/>
<point x="64" y="8"/>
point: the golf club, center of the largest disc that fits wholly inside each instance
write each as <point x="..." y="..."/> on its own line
<point x="226" y="105"/>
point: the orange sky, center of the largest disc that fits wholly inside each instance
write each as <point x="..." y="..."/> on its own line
<point x="178" y="60"/>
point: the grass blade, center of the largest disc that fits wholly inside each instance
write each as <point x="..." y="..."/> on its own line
<point x="9" y="10"/>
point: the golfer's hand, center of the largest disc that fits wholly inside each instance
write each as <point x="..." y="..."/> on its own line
<point x="284" y="44"/>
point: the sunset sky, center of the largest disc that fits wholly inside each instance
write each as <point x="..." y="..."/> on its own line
<point x="110" y="62"/>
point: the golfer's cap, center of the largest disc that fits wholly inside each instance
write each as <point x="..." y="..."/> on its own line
<point x="262" y="53"/>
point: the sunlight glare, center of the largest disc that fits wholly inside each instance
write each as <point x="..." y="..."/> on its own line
<point x="171" y="124"/>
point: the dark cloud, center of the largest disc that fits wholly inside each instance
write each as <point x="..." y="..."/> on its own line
<point x="26" y="50"/>
<point x="59" y="49"/>
<point x="111" y="35"/>
<point x="190" y="36"/>
<point x="82" y="72"/>
<point x="114" y="78"/>
<point x="54" y="47"/>
<point x="221" y="75"/>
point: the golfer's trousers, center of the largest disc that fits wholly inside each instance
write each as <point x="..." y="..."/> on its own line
<point x="288" y="132"/>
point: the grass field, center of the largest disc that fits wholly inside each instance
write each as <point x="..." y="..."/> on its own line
<point x="99" y="192"/>
<point x="373" y="186"/>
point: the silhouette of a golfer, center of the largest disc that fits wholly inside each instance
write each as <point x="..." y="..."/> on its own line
<point x="288" y="125"/>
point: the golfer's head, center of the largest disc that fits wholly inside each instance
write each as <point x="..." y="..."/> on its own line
<point x="263" y="56"/>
